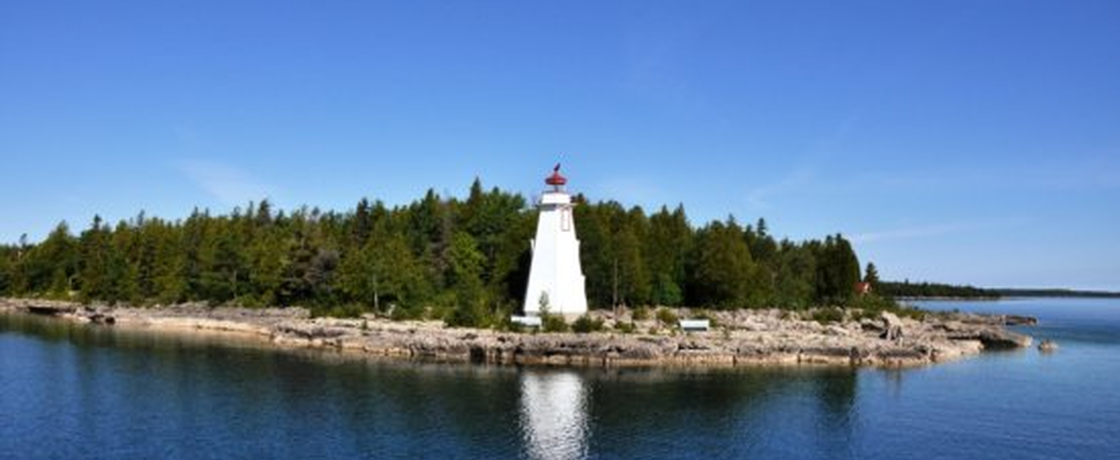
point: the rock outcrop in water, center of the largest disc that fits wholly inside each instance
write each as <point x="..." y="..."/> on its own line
<point x="743" y="337"/>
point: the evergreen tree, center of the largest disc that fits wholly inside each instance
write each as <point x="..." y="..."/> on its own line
<point x="169" y="282"/>
<point x="720" y="268"/>
<point x="510" y="276"/>
<point x="837" y="271"/>
<point x="597" y="254"/>
<point x="466" y="263"/>
<point x="871" y="276"/>
<point x="469" y="259"/>
<point x="5" y="271"/>
<point x="226" y="276"/>
<point x="265" y="260"/>
<point x="631" y="285"/>
<point x="123" y="270"/>
<point x="796" y="278"/>
<point x="49" y="267"/>
<point x="93" y="271"/>
<point x="382" y="274"/>
<point x="666" y="249"/>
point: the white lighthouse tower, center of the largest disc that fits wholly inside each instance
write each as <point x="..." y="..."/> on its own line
<point x="555" y="276"/>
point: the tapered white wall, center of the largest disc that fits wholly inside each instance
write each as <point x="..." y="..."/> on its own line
<point x="555" y="272"/>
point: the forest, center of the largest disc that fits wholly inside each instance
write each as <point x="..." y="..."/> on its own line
<point x="935" y="290"/>
<point x="463" y="260"/>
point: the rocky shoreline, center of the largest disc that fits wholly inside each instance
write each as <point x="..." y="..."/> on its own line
<point x="743" y="337"/>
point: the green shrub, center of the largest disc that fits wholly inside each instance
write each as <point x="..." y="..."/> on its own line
<point x="871" y="306"/>
<point x="338" y="311"/>
<point x="585" y="324"/>
<point x="553" y="323"/>
<point x="828" y="315"/>
<point x="640" y="314"/>
<point x="510" y="326"/>
<point x="667" y="318"/>
<point x="399" y="313"/>
<point x="625" y="328"/>
<point x="471" y="314"/>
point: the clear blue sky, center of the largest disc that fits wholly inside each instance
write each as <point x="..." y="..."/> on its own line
<point x="954" y="141"/>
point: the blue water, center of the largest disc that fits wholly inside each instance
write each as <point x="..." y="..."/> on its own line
<point x="70" y="391"/>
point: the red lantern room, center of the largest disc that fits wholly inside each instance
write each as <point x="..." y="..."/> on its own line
<point x="556" y="180"/>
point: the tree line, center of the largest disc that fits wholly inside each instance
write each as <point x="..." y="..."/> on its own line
<point x="926" y="289"/>
<point x="465" y="260"/>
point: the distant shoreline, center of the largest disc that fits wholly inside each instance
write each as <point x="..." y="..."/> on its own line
<point x="1006" y="297"/>
<point x="923" y="290"/>
<point x="742" y="338"/>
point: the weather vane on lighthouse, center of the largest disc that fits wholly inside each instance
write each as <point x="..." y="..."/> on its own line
<point x="556" y="281"/>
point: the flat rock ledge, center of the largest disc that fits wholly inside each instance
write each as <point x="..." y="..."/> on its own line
<point x="743" y="337"/>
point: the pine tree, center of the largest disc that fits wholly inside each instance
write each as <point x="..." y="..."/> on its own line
<point x="93" y="270"/>
<point x="169" y="281"/>
<point x="632" y="284"/>
<point x="837" y="271"/>
<point x="466" y="263"/>
<point x="265" y="260"/>
<point x="796" y="278"/>
<point x="6" y="275"/>
<point x="470" y="257"/>
<point x="871" y="276"/>
<point x="721" y="267"/>
<point x="666" y="248"/>
<point x="382" y="274"/>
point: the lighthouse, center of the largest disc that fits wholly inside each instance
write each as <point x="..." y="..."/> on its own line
<point x="555" y="277"/>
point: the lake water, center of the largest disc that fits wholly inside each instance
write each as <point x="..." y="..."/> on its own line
<point x="72" y="391"/>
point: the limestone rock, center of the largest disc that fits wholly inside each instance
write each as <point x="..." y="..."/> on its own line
<point x="892" y="326"/>
<point x="1047" y="346"/>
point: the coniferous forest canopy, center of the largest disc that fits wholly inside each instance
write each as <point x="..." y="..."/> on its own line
<point x="935" y="290"/>
<point x="463" y="260"/>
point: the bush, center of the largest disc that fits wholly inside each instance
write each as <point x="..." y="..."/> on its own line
<point x="626" y="328"/>
<point x="667" y="318"/>
<point x="828" y="315"/>
<point x="399" y="313"/>
<point x="553" y="323"/>
<point x="640" y="314"/>
<point x="871" y="306"/>
<point x="338" y="311"/>
<point x="585" y="324"/>
<point x="468" y="315"/>
<point x="506" y="324"/>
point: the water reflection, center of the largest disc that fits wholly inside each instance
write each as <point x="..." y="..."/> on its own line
<point x="698" y="413"/>
<point x="190" y="395"/>
<point x="554" y="414"/>
<point x="79" y="391"/>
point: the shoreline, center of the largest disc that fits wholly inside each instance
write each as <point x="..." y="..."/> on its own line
<point x="742" y="338"/>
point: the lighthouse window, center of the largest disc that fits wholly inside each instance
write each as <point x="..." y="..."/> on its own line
<point x="566" y="220"/>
